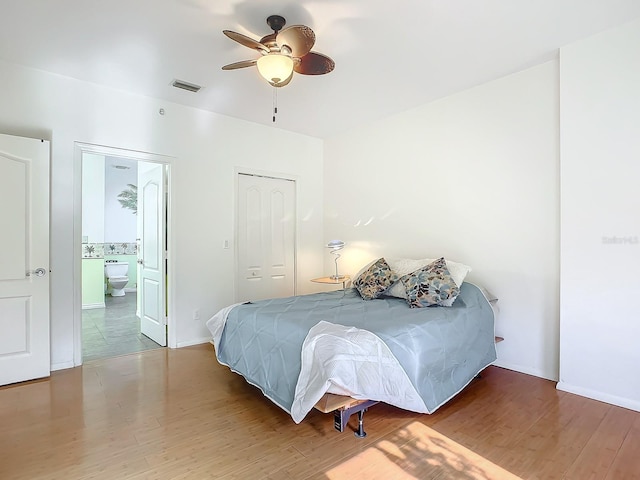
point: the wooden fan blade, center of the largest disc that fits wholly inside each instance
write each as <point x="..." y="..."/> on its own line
<point x="314" y="64"/>
<point x="242" y="64"/>
<point x="298" y="38"/>
<point x="246" y="41"/>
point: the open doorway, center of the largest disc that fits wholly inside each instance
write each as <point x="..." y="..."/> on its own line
<point x="124" y="242"/>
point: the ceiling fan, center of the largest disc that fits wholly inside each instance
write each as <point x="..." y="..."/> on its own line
<point x="283" y="52"/>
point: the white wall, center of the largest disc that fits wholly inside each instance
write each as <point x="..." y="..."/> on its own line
<point x="600" y="247"/>
<point x="120" y="224"/>
<point x="93" y="198"/>
<point x="207" y="148"/>
<point x="473" y="177"/>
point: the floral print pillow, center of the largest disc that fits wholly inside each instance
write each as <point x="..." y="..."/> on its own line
<point x="375" y="279"/>
<point x="431" y="285"/>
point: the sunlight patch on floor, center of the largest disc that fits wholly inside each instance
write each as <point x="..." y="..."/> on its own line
<point x="418" y="452"/>
<point x="362" y="466"/>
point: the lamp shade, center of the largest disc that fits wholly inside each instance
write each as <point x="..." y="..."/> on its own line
<point x="335" y="244"/>
<point x="275" y="68"/>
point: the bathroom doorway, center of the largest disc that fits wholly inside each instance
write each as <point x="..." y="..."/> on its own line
<point x="123" y="253"/>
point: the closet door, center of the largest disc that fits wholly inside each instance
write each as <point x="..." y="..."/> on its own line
<point x="265" y="233"/>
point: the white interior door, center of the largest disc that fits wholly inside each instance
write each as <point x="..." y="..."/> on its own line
<point x="151" y="254"/>
<point x="24" y="259"/>
<point x="265" y="238"/>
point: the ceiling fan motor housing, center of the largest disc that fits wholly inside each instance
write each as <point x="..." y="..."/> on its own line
<point x="276" y="22"/>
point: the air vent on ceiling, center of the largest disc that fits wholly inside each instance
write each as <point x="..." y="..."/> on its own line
<point x="186" y="85"/>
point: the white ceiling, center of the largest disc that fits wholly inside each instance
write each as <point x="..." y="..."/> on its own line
<point x="390" y="55"/>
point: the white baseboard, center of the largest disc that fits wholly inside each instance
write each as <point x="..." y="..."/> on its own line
<point x="527" y="370"/>
<point x="197" y="341"/>
<point x="629" y="403"/>
<point x="89" y="306"/>
<point x="61" y="366"/>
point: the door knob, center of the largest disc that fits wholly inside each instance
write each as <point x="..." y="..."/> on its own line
<point x="141" y="262"/>
<point x="38" y="272"/>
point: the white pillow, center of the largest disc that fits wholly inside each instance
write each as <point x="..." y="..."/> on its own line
<point x="404" y="266"/>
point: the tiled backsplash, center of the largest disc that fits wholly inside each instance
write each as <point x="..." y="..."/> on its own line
<point x="99" y="250"/>
<point x="92" y="250"/>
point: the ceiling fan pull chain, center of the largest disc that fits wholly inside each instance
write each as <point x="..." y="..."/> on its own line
<point x="275" y="103"/>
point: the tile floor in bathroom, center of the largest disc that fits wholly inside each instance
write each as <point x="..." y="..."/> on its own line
<point x="114" y="330"/>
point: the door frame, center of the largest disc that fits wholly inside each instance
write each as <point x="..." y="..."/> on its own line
<point x="81" y="148"/>
<point x="296" y="231"/>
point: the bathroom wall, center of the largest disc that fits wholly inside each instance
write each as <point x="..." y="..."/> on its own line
<point x="93" y="199"/>
<point x="120" y="217"/>
<point x="93" y="232"/>
<point x="92" y="283"/>
<point x="120" y="202"/>
<point x="109" y="228"/>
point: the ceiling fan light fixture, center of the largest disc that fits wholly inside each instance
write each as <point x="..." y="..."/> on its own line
<point x="275" y="68"/>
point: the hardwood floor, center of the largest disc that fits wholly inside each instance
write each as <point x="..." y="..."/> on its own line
<point x="178" y="414"/>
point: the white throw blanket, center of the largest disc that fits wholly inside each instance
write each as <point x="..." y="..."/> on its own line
<point x="354" y="362"/>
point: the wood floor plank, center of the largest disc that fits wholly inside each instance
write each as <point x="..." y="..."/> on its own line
<point x="598" y="455"/>
<point x="324" y="447"/>
<point x="267" y="465"/>
<point x="493" y="423"/>
<point x="555" y="441"/>
<point x="178" y="414"/>
<point x="626" y="465"/>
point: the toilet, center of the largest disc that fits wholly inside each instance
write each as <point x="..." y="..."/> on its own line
<point x="116" y="273"/>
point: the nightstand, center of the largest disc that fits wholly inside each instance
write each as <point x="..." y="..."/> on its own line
<point x="332" y="281"/>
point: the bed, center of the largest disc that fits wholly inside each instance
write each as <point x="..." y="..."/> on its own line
<point x="298" y="349"/>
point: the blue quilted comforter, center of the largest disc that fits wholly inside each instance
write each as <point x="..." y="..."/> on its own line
<point x="440" y="349"/>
